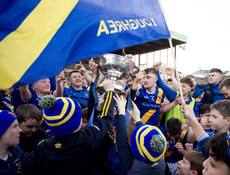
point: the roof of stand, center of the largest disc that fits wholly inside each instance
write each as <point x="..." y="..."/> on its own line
<point x="177" y="39"/>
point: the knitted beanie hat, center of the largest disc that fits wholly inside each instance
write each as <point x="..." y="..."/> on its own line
<point x="62" y="115"/>
<point x="148" y="143"/>
<point x="6" y="119"/>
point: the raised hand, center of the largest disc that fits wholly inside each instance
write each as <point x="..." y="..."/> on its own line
<point x="93" y="66"/>
<point x="80" y="67"/>
<point x="168" y="71"/>
<point x="135" y="113"/>
<point x="139" y="77"/>
<point x="60" y="76"/>
<point x="157" y="65"/>
<point x="187" y="111"/>
<point x="108" y="85"/>
<point x="121" y="103"/>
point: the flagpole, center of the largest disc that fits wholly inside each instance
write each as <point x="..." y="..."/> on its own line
<point x="175" y="68"/>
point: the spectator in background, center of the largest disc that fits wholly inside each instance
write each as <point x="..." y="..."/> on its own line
<point x="212" y="92"/>
<point x="197" y="93"/>
<point x="225" y="88"/>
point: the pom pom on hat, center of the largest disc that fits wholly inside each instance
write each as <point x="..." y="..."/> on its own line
<point x="47" y="102"/>
<point x="148" y="143"/>
<point x="6" y="119"/>
<point x="62" y="115"/>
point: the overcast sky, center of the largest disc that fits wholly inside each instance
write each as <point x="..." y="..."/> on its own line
<point x="206" y="23"/>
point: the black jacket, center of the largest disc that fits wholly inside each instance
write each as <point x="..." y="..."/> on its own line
<point x="73" y="153"/>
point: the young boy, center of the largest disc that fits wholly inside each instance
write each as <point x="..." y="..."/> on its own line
<point x="225" y="88"/>
<point x="205" y="114"/>
<point x="197" y="93"/>
<point x="219" y="158"/>
<point x="148" y="144"/>
<point x="70" y="151"/>
<point x="176" y="142"/>
<point x="175" y="112"/>
<point x="219" y="120"/>
<point x="192" y="163"/>
<point x="11" y="156"/>
<point x="187" y="85"/>
<point x="29" y="120"/>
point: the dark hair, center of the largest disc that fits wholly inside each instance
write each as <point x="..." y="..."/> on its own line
<point x="196" y="160"/>
<point x="187" y="80"/>
<point x="173" y="126"/>
<point x="169" y="79"/>
<point x="218" y="148"/>
<point x="215" y="70"/>
<point x="205" y="108"/>
<point x="28" y="111"/>
<point x="226" y="83"/>
<point x="74" y="71"/>
<point x="150" y="70"/>
<point x="84" y="113"/>
<point x="223" y="107"/>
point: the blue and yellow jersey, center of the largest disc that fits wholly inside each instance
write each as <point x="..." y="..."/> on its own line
<point x="149" y="105"/>
<point x="81" y="96"/>
<point x="172" y="155"/>
<point x="199" y="96"/>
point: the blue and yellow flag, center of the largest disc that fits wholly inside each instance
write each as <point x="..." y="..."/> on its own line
<point x="39" y="38"/>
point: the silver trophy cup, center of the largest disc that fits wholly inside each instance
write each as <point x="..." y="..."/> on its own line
<point x="116" y="67"/>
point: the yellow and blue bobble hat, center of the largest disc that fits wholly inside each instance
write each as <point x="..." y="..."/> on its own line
<point x="62" y="115"/>
<point x="6" y="119"/>
<point x="148" y="143"/>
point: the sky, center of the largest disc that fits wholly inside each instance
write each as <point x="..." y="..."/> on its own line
<point x="206" y="23"/>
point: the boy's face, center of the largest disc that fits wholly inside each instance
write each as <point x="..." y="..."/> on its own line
<point x="84" y="124"/>
<point x="205" y="119"/>
<point x="29" y="127"/>
<point x="12" y="135"/>
<point x="226" y="92"/>
<point x="149" y="80"/>
<point x="183" y="167"/>
<point x="217" y="122"/>
<point x="213" y="167"/>
<point x="76" y="79"/>
<point x="194" y="83"/>
<point x="214" y="78"/>
<point x="42" y="86"/>
<point x="185" y="88"/>
<point x="170" y="85"/>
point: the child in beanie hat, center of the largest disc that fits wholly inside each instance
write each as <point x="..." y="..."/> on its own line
<point x="62" y="115"/>
<point x="70" y="150"/>
<point x="6" y="119"/>
<point x="148" y="144"/>
<point x="12" y="158"/>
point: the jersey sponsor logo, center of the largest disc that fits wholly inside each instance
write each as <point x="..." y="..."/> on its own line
<point x="146" y="104"/>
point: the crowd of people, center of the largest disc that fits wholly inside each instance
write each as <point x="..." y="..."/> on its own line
<point x="156" y="127"/>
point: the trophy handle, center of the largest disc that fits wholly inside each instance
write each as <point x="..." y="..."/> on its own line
<point x="135" y="70"/>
